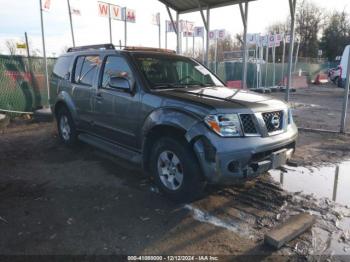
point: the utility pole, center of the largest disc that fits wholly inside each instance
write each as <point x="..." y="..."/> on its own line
<point x="44" y="52"/>
<point x="71" y="22"/>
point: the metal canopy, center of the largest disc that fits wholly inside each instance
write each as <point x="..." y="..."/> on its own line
<point x="186" y="6"/>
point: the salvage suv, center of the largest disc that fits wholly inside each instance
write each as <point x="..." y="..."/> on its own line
<point x="170" y="115"/>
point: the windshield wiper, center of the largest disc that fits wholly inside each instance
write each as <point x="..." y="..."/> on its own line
<point x="166" y="86"/>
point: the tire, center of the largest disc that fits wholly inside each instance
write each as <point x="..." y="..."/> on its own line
<point x="66" y="127"/>
<point x="170" y="159"/>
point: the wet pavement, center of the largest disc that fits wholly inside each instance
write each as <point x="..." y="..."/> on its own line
<point x="332" y="181"/>
<point x="327" y="188"/>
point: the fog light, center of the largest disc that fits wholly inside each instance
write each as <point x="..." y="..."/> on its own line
<point x="233" y="166"/>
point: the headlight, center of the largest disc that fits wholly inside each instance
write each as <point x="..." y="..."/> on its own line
<point x="226" y="125"/>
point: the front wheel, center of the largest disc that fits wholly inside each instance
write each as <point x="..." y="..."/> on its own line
<point x="176" y="170"/>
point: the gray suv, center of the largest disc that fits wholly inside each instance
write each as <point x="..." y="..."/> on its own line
<point x="170" y="115"/>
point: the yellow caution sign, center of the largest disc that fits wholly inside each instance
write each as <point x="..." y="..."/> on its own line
<point x="21" y="46"/>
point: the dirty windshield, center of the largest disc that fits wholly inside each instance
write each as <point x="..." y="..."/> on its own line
<point x="163" y="72"/>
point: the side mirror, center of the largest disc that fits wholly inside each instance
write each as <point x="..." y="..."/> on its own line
<point x="119" y="83"/>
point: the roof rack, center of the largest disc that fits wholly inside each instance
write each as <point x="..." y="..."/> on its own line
<point x="136" y="48"/>
<point x="91" y="47"/>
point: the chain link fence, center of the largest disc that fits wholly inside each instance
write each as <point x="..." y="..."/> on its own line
<point x="22" y="83"/>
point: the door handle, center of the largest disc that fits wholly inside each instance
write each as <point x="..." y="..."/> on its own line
<point x="99" y="97"/>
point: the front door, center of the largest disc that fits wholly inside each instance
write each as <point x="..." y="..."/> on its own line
<point x="117" y="110"/>
<point x="83" y="88"/>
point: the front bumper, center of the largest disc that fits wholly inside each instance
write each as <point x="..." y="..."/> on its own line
<point x="231" y="160"/>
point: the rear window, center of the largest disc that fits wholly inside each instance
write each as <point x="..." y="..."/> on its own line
<point x="62" y="66"/>
<point x="85" y="69"/>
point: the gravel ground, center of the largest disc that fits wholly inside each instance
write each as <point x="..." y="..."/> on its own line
<point x="57" y="200"/>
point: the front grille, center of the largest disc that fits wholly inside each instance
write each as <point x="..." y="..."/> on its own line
<point x="273" y="121"/>
<point x="248" y="124"/>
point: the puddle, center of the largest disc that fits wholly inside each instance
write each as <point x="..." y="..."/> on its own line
<point x="332" y="182"/>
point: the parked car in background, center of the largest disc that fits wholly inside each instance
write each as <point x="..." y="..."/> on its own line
<point x="343" y="67"/>
<point x="171" y="116"/>
<point x="334" y="74"/>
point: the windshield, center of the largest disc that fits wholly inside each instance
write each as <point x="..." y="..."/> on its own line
<point x="164" y="71"/>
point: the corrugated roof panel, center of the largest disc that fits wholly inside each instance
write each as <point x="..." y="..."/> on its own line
<point x="183" y="6"/>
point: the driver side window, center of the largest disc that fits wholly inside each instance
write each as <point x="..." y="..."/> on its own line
<point x="115" y="66"/>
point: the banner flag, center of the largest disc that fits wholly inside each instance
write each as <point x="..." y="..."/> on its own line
<point x="188" y="34"/>
<point x="156" y="19"/>
<point x="46" y="5"/>
<point x="169" y="26"/>
<point x="217" y="34"/>
<point x="75" y="11"/>
<point x="198" y="31"/>
<point x="116" y="12"/>
<point x="221" y="33"/>
<point x="272" y="41"/>
<point x="103" y="9"/>
<point x="129" y="15"/>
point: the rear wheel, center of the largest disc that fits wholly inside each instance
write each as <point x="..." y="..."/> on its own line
<point x="176" y="170"/>
<point x="66" y="127"/>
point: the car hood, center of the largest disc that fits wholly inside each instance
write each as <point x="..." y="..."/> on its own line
<point x="223" y="98"/>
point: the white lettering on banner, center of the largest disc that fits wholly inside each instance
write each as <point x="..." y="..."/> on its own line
<point x="116" y="12"/>
<point x="46" y="4"/>
<point x="103" y="9"/>
<point x="199" y="31"/>
<point x="129" y="15"/>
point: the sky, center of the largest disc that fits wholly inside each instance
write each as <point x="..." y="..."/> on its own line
<point x="17" y="17"/>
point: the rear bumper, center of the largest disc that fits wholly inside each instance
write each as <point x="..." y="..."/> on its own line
<point x="231" y="160"/>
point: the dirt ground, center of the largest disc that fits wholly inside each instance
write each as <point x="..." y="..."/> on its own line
<point x="57" y="200"/>
<point x="318" y="107"/>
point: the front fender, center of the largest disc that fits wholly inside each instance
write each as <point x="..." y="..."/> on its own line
<point x="172" y="117"/>
<point x="66" y="99"/>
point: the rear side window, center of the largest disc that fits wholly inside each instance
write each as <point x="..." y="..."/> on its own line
<point x="85" y="69"/>
<point x="62" y="66"/>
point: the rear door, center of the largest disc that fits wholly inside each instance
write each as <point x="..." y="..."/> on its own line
<point x="117" y="110"/>
<point x="83" y="88"/>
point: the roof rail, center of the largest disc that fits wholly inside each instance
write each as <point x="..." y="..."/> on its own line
<point x="152" y="49"/>
<point x="91" y="47"/>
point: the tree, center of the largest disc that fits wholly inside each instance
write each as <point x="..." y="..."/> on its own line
<point x="11" y="46"/>
<point x="336" y="35"/>
<point x="309" y="23"/>
<point x="224" y="45"/>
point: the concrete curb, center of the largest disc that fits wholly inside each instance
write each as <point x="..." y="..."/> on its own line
<point x="43" y="115"/>
<point x="4" y="121"/>
<point x="315" y="130"/>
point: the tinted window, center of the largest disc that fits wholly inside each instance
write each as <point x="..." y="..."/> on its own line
<point x="85" y="69"/>
<point x="78" y="66"/>
<point x="62" y="66"/>
<point x="165" y="71"/>
<point x="115" y="66"/>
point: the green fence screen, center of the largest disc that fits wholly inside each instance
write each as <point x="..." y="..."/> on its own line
<point x="22" y="83"/>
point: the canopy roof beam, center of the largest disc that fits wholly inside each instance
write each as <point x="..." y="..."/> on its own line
<point x="244" y="15"/>
<point x="292" y="6"/>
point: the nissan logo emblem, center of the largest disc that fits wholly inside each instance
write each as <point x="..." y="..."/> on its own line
<point x="275" y="121"/>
